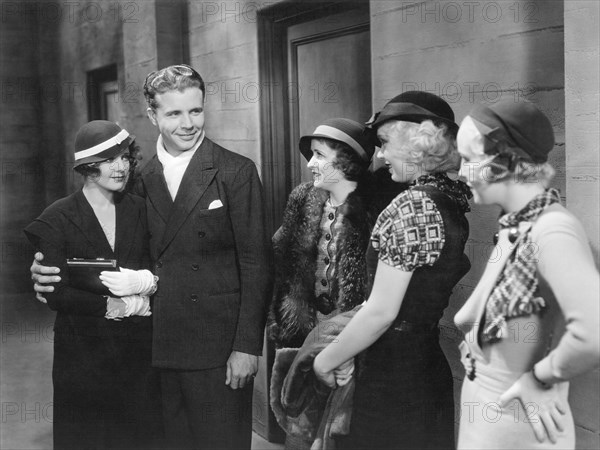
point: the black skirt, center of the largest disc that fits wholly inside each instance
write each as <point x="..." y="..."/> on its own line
<point x="106" y="394"/>
<point x="404" y="395"/>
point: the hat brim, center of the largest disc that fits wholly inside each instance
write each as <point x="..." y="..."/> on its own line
<point x="305" y="142"/>
<point x="305" y="147"/>
<point x="415" y="118"/>
<point x="410" y="112"/>
<point x="109" y="153"/>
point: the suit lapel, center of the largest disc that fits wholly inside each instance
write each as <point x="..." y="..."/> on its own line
<point x="88" y="224"/>
<point x="198" y="175"/>
<point x="127" y="223"/>
<point x="156" y="188"/>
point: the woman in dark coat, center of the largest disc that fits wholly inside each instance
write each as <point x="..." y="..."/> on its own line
<point x="404" y="388"/>
<point x="321" y="244"/>
<point x="105" y="391"/>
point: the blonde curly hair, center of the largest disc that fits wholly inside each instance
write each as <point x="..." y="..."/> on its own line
<point x="431" y="146"/>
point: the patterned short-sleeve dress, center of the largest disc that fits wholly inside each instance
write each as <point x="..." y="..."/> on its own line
<point x="404" y="386"/>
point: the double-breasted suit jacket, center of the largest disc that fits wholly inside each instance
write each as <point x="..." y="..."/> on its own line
<point x="211" y="251"/>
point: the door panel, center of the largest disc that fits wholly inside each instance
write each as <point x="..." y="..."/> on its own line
<point x="315" y="63"/>
<point x="329" y="76"/>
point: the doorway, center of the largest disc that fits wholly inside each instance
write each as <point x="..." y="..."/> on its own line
<point x="103" y="95"/>
<point x="329" y="76"/>
<point x="315" y="63"/>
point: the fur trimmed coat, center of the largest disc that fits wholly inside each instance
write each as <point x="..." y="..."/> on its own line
<point x="293" y="312"/>
<point x="303" y="406"/>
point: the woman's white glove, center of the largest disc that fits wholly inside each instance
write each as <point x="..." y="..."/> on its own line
<point x="115" y="309"/>
<point x="130" y="305"/>
<point x="137" y="305"/>
<point x="129" y="282"/>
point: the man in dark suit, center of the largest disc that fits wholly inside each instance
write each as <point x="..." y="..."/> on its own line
<point x="210" y="250"/>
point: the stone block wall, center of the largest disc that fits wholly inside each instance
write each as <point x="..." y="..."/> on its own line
<point x="224" y="49"/>
<point x="21" y="185"/>
<point x="582" y="123"/>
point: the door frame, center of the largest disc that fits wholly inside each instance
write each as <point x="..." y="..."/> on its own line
<point x="294" y="87"/>
<point x="275" y="110"/>
<point x="276" y="164"/>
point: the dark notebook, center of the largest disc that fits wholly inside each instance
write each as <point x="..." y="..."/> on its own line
<point x="84" y="274"/>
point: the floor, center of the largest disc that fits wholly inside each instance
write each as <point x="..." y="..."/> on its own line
<point x="25" y="376"/>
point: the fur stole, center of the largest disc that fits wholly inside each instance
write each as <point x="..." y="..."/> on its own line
<point x="293" y="312"/>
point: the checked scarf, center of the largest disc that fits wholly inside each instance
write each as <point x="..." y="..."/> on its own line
<point x="513" y="295"/>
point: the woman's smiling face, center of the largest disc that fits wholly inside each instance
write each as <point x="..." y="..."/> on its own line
<point x="322" y="165"/>
<point x="113" y="173"/>
<point x="474" y="167"/>
<point x="402" y="170"/>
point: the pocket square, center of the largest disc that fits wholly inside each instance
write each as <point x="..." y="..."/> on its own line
<point x="215" y="204"/>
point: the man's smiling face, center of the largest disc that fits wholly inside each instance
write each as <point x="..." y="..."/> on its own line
<point x="179" y="117"/>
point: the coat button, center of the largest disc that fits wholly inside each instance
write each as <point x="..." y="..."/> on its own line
<point x="195" y="266"/>
<point x="328" y="236"/>
<point x="159" y="264"/>
<point x="331" y="216"/>
<point x="201" y="234"/>
<point x="194" y="297"/>
<point x="324" y="282"/>
<point x="326" y="260"/>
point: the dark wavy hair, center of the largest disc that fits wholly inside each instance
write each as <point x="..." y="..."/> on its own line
<point x="346" y="160"/>
<point x="92" y="170"/>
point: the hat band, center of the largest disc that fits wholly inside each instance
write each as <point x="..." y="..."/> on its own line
<point x="339" y="135"/>
<point x="407" y="108"/>
<point x="408" y="112"/>
<point x="111" y="142"/>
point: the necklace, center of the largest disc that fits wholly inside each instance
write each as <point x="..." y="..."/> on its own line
<point x="332" y="205"/>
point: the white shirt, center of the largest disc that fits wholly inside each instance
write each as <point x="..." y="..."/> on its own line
<point x="174" y="166"/>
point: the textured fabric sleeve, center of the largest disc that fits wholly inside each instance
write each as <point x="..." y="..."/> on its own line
<point x="566" y="263"/>
<point x="409" y="233"/>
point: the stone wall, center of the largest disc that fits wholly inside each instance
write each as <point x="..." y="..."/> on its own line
<point x="21" y="188"/>
<point x="223" y="48"/>
<point x="582" y="100"/>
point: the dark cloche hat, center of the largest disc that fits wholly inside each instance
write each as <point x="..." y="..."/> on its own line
<point x="343" y="130"/>
<point x="100" y="140"/>
<point x="522" y="125"/>
<point x="415" y="106"/>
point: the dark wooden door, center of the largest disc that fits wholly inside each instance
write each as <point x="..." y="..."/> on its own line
<point x="329" y="76"/>
<point x="315" y="63"/>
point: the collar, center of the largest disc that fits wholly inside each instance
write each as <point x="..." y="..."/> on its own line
<point x="455" y="188"/>
<point x="167" y="159"/>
